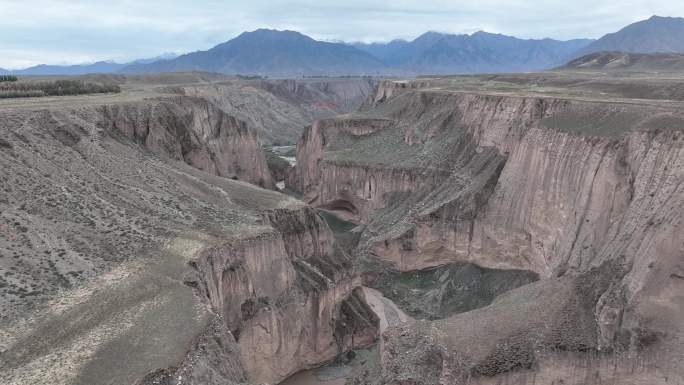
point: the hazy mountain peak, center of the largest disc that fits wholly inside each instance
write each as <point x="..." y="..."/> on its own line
<point x="264" y="36"/>
<point x="430" y="37"/>
<point x="485" y="33"/>
<point x="433" y="34"/>
<point x="444" y="53"/>
<point x="663" y="18"/>
<point x="273" y="52"/>
<point x="655" y="34"/>
<point x="274" y="33"/>
<point x="290" y="53"/>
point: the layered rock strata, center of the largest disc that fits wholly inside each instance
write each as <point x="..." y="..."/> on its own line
<point x="193" y="130"/>
<point x="121" y="261"/>
<point x="559" y="187"/>
<point x="279" y="109"/>
<point x="288" y="297"/>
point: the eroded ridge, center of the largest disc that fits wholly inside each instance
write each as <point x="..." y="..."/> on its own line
<point x="129" y="255"/>
<point x="586" y="193"/>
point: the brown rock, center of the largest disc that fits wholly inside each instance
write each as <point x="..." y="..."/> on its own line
<point x="557" y="186"/>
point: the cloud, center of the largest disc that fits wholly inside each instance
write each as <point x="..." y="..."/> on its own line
<point x="74" y="31"/>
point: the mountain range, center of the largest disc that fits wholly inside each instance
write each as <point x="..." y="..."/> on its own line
<point x="438" y="53"/>
<point x="289" y="53"/>
<point x="271" y="52"/>
<point x="81" y="69"/>
<point x="656" y="34"/>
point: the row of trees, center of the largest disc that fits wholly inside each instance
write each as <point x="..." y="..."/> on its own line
<point x="55" y="88"/>
<point x="8" y="78"/>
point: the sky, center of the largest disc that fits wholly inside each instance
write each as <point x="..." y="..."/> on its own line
<point x="85" y="31"/>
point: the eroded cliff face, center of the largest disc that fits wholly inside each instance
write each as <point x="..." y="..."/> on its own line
<point x="279" y="109"/>
<point x="485" y="173"/>
<point x="195" y="131"/>
<point x="338" y="95"/>
<point x="288" y="297"/>
<point x="285" y="300"/>
<point x="122" y="261"/>
<point x="559" y="187"/>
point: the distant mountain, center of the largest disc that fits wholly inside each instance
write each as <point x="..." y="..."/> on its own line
<point x="164" y="56"/>
<point x="383" y="51"/>
<point x="657" y="34"/>
<point x="271" y="52"/>
<point x="3" y="71"/>
<point x="82" y="69"/>
<point x="79" y="69"/>
<point x="623" y="61"/>
<point x="437" y="53"/>
<point x="289" y="53"/>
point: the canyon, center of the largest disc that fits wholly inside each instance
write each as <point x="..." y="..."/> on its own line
<point x="138" y="248"/>
<point x="563" y="188"/>
<point x="513" y="228"/>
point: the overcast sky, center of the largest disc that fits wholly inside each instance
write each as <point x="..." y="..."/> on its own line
<point x="78" y="31"/>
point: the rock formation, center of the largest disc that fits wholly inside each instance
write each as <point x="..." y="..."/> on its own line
<point x="586" y="193"/>
<point x="279" y="109"/>
<point x="193" y="130"/>
<point x="129" y="255"/>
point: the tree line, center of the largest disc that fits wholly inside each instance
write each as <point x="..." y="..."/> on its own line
<point x="54" y="88"/>
<point x="8" y="78"/>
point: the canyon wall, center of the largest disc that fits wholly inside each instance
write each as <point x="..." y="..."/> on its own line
<point x="279" y="108"/>
<point x="504" y="181"/>
<point x="558" y="186"/>
<point x="129" y="255"/>
<point x="337" y="94"/>
<point x="193" y="130"/>
<point x="285" y="301"/>
<point x="284" y="296"/>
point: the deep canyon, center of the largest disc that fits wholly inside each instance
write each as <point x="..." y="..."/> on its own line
<point x="498" y="229"/>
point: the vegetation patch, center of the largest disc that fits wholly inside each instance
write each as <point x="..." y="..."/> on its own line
<point x="8" y="78"/>
<point x="442" y="291"/>
<point x="19" y="89"/>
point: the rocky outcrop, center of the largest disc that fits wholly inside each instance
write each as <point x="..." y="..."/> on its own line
<point x="357" y="197"/>
<point x="559" y="187"/>
<point x="195" y="131"/>
<point x="121" y="261"/>
<point x="284" y="295"/>
<point x="487" y="144"/>
<point x="336" y="94"/>
<point x="279" y="109"/>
